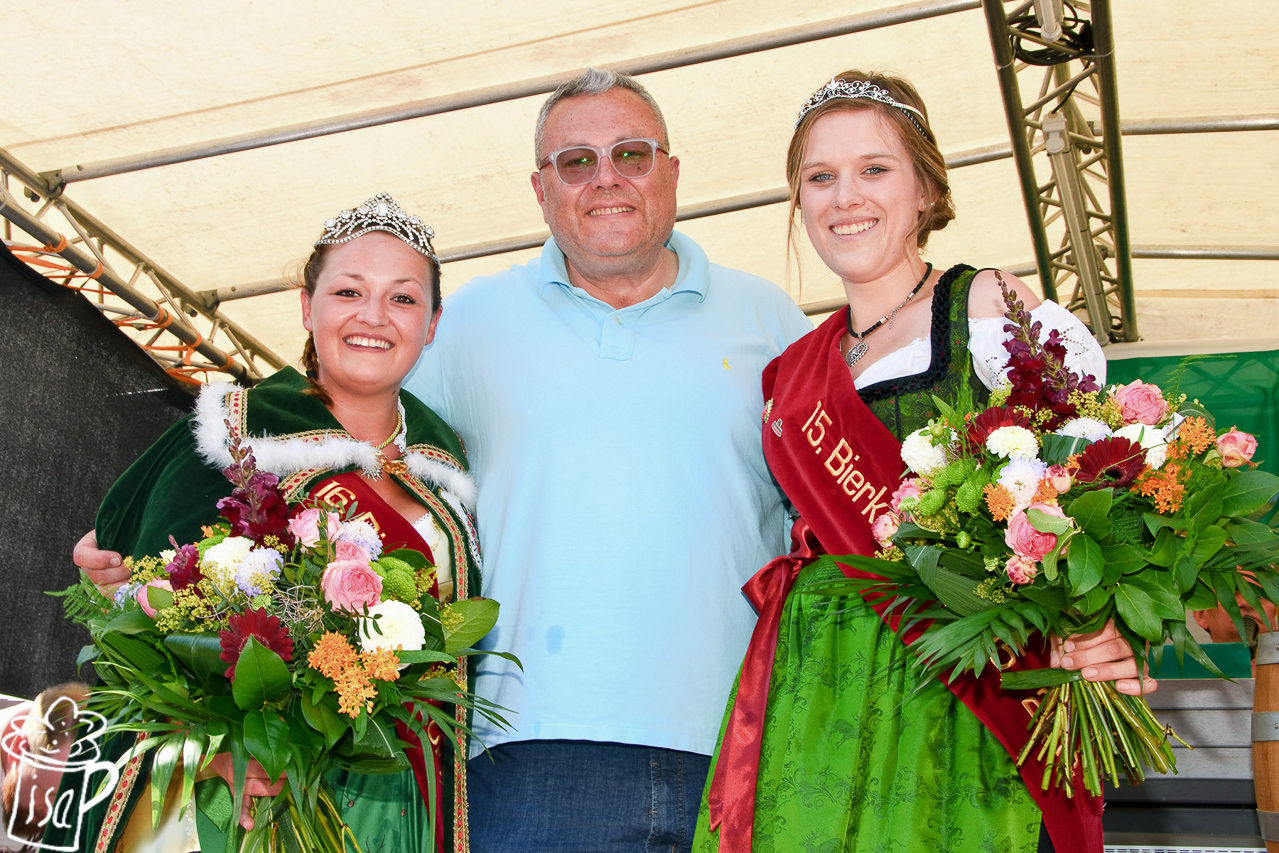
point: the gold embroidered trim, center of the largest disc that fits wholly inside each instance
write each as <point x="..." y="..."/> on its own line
<point x="120" y="799"/>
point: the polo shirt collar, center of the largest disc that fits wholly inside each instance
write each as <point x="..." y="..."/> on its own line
<point x="692" y="277"/>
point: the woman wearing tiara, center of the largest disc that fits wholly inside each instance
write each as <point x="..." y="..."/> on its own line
<point x="831" y="743"/>
<point x="344" y="433"/>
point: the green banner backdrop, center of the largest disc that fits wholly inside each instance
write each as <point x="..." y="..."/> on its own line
<point x="1240" y="389"/>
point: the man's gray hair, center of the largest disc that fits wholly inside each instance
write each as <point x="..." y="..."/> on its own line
<point x="594" y="81"/>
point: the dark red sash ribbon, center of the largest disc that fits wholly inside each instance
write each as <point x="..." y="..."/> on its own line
<point x="839" y="466"/>
<point x="343" y="490"/>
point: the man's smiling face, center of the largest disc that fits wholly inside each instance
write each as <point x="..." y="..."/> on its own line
<point x="611" y="223"/>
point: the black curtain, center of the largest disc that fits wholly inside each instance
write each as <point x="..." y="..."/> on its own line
<point x="78" y="402"/>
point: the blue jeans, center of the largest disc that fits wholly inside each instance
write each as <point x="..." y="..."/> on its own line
<point x="561" y="796"/>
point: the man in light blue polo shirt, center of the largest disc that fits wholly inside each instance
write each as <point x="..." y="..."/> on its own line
<point x="609" y="396"/>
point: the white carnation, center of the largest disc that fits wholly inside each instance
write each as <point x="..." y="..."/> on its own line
<point x="1151" y="440"/>
<point x="1089" y="429"/>
<point x="1013" y="442"/>
<point x="921" y="455"/>
<point x="222" y="561"/>
<point x="399" y="624"/>
<point x="1146" y="436"/>
<point x="1021" y="478"/>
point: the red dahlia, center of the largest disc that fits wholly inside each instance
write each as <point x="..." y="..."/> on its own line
<point x="261" y="626"/>
<point x="1117" y="458"/>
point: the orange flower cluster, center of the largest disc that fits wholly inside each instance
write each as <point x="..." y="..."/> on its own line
<point x="1194" y="436"/>
<point x="1164" y="487"/>
<point x="1044" y="492"/>
<point x="353" y="672"/>
<point x="999" y="501"/>
<point x="354" y="692"/>
<point x="383" y="664"/>
<point x="332" y="655"/>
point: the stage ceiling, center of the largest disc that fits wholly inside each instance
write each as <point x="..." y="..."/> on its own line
<point x="88" y="82"/>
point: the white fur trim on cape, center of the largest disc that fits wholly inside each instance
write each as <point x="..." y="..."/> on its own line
<point x="285" y="456"/>
<point x="436" y="473"/>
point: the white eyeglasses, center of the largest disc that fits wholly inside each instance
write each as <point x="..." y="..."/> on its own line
<point x="579" y="164"/>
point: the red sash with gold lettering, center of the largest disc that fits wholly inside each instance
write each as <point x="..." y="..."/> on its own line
<point x="839" y="465"/>
<point x="343" y="490"/>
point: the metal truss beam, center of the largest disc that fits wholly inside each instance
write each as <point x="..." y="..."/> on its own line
<point x="1069" y="164"/>
<point x="512" y="91"/>
<point x="164" y="326"/>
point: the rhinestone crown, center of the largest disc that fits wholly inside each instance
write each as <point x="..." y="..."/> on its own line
<point x="379" y="213"/>
<point x="859" y="89"/>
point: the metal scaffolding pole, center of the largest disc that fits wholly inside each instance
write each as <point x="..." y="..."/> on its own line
<point x="1080" y="193"/>
<point x="510" y="91"/>
<point x="93" y="267"/>
<point x="183" y="302"/>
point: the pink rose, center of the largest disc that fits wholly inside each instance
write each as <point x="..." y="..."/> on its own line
<point x="1059" y="478"/>
<point x="1140" y="403"/>
<point x="1020" y="570"/>
<point x="1027" y="542"/>
<point x="306" y="527"/>
<point x="145" y="602"/>
<point x="351" y="586"/>
<point x="346" y="551"/>
<point x="884" y="528"/>
<point x="334" y="527"/>
<point x="1236" y="448"/>
<point x="908" y="489"/>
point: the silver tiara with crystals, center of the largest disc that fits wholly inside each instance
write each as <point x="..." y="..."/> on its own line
<point x="837" y="88"/>
<point x="379" y="213"/>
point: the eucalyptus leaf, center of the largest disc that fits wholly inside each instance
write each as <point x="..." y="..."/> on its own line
<point x="466" y="622"/>
<point x="1204" y="506"/>
<point x="1248" y="492"/>
<point x="202" y="653"/>
<point x="1084" y="563"/>
<point x="1245" y="532"/>
<point x="132" y="621"/>
<point x="1207" y="543"/>
<point x="266" y="737"/>
<point x="1091" y="512"/>
<point x="1045" y="523"/>
<point x="1097" y="598"/>
<point x="1122" y="559"/>
<point x="1167" y="547"/>
<point x="1137" y="610"/>
<point x="1185" y="572"/>
<point x="323" y="719"/>
<point x="260" y="676"/>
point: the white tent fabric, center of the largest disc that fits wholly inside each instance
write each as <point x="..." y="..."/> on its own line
<point x="89" y="81"/>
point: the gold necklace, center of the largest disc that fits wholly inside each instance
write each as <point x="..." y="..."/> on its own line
<point x="397" y="467"/>
<point x="395" y="433"/>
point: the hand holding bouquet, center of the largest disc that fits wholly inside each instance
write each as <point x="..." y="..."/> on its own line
<point x="289" y="637"/>
<point x="1058" y="509"/>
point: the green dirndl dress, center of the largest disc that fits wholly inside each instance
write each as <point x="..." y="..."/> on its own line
<point x="854" y="757"/>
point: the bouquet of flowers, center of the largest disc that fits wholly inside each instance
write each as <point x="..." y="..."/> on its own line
<point x="1055" y="509"/>
<point x="286" y="635"/>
